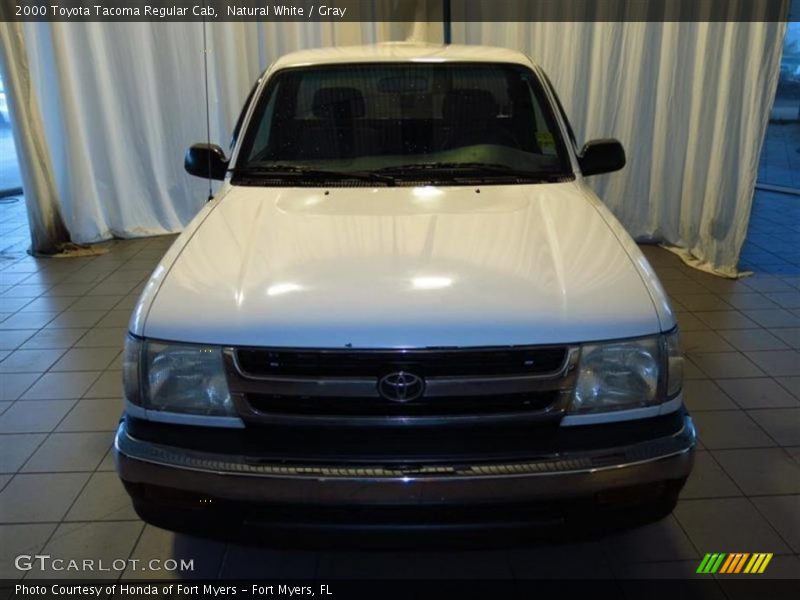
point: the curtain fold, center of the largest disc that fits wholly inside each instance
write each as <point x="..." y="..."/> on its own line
<point x="689" y="101"/>
<point x="48" y="234"/>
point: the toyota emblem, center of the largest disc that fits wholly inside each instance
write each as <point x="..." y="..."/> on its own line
<point x="401" y="386"/>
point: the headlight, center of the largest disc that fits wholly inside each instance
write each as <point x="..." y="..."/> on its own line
<point x="618" y="375"/>
<point x="183" y="378"/>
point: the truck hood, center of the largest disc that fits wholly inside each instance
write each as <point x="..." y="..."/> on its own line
<point x="399" y="267"/>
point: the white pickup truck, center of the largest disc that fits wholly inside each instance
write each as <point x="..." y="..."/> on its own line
<point x="404" y="306"/>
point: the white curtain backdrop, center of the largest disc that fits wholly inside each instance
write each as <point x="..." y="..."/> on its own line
<point x="689" y="101"/>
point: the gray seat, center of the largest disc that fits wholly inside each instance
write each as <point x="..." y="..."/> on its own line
<point x="470" y="117"/>
<point x="336" y="131"/>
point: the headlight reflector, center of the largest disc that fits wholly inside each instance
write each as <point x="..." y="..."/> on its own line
<point x="184" y="378"/>
<point x="617" y="375"/>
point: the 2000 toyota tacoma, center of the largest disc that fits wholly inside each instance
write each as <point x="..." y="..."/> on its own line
<point x="404" y="306"/>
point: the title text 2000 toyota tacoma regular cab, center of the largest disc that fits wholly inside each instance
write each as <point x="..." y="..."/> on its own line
<point x="404" y="306"/>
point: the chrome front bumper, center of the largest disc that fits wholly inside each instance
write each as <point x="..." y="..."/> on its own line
<point x="242" y="479"/>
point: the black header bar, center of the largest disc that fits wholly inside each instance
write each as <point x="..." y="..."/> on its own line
<point x="393" y="10"/>
<point x="391" y="589"/>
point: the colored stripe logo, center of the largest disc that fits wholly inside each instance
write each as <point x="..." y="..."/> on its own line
<point x="734" y="563"/>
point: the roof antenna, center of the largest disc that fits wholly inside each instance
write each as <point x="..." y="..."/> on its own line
<point x="208" y="112"/>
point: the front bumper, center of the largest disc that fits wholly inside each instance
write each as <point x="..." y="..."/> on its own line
<point x="580" y="474"/>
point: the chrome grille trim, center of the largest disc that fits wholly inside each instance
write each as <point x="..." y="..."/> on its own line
<point x="328" y="388"/>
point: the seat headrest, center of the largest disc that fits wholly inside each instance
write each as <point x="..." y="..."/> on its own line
<point x="338" y="103"/>
<point x="469" y="104"/>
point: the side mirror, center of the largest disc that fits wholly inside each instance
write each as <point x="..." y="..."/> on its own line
<point x="601" y="156"/>
<point x="207" y="161"/>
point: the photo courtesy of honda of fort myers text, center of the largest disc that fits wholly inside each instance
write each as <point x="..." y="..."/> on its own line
<point x="174" y="590"/>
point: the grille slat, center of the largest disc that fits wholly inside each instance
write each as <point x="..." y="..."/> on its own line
<point x="443" y="406"/>
<point x="427" y="363"/>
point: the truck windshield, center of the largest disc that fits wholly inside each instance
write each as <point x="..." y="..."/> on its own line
<point x="403" y="123"/>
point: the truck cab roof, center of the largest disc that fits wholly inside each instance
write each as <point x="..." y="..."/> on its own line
<point x="401" y="52"/>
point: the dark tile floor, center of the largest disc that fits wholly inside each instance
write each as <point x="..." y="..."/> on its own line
<point x="61" y="326"/>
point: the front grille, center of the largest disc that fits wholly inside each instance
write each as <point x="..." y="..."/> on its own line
<point x="445" y="406"/>
<point x="343" y="387"/>
<point x="427" y="363"/>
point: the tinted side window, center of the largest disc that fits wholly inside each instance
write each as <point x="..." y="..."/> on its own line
<point x="238" y="127"/>
<point x="562" y="112"/>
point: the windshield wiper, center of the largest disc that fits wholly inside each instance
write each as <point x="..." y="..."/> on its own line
<point x="255" y="170"/>
<point x="479" y="167"/>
